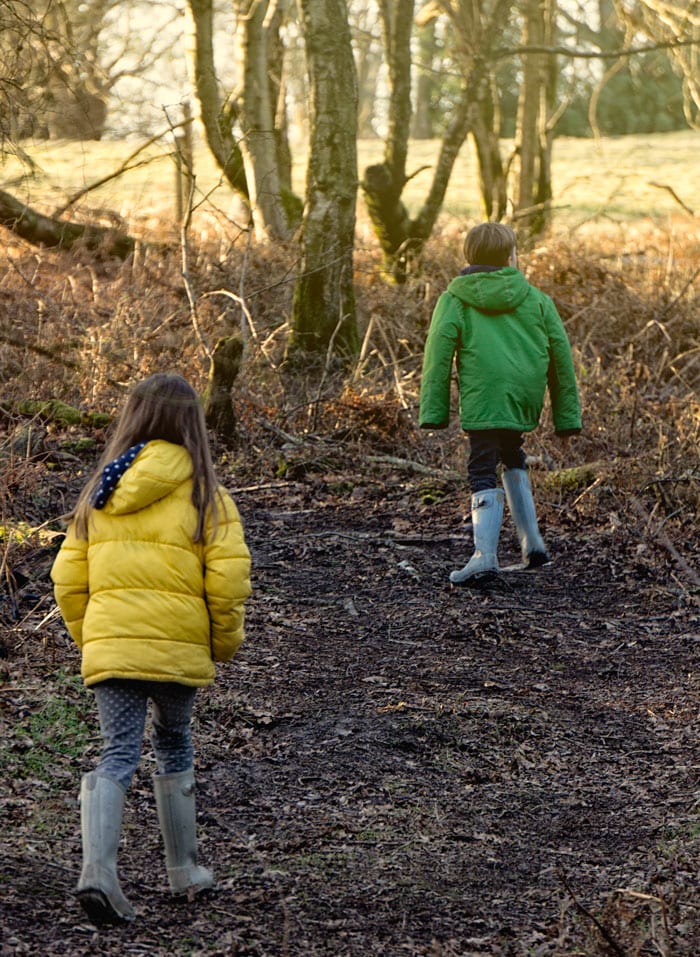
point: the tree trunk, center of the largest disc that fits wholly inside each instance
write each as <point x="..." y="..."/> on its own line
<point x="383" y="183"/>
<point x="532" y="187"/>
<point x="460" y="124"/>
<point x="323" y="311"/>
<point x="278" y="63"/>
<point x="368" y="61"/>
<point x="224" y="368"/>
<point x="76" y="89"/>
<point x="256" y="115"/>
<point x="43" y="231"/>
<point x="422" y="127"/>
<point x="276" y="69"/>
<point x="217" y="125"/>
<point x="485" y="132"/>
<point x="524" y="167"/>
<point x="400" y="236"/>
<point x="548" y="99"/>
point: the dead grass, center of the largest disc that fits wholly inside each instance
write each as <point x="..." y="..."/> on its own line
<point x="81" y="330"/>
<point x="616" y="181"/>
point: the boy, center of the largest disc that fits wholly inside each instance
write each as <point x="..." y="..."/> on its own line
<point x="510" y="345"/>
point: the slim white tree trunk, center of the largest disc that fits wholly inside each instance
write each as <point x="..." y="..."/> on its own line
<point x="256" y="116"/>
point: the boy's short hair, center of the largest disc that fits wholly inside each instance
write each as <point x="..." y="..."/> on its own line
<point x="489" y="244"/>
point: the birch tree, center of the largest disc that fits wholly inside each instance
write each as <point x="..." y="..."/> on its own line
<point x="532" y="185"/>
<point x="323" y="312"/>
<point x="216" y="120"/>
<point x="256" y="114"/>
<point x="243" y="128"/>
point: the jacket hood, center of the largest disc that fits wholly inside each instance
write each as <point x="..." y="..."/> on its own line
<point x="156" y="471"/>
<point x="492" y="292"/>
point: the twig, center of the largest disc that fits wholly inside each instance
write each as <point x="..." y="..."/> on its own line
<point x="244" y="308"/>
<point x="607" y="936"/>
<point x="363" y="351"/>
<point x="327" y="365"/>
<point x="673" y="193"/>
<point x="241" y="291"/>
<point x="656" y="321"/>
<point x="124" y="168"/>
<point x="415" y="467"/>
<point x="262" y="487"/>
<point x="54" y="613"/>
<point x="394" y="368"/>
<point x="279" y="432"/>
<point x="191" y="297"/>
<point x="585" y="492"/>
<point x="663" y="539"/>
<point x="417" y="171"/>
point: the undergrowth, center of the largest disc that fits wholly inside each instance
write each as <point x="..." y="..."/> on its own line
<point x="80" y="330"/>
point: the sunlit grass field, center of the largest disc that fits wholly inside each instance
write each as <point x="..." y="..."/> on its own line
<point x="620" y="180"/>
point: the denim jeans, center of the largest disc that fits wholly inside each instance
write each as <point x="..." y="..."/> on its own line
<point x="488" y="447"/>
<point x="122" y="704"/>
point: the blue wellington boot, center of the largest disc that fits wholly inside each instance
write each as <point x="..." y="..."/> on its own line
<point x="487" y="516"/>
<point x="99" y="893"/>
<point x="522" y="506"/>
<point x="175" y="802"/>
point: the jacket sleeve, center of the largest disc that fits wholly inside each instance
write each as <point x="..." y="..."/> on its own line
<point x="440" y="348"/>
<point x="226" y="580"/>
<point x="561" y="378"/>
<point x="70" y="578"/>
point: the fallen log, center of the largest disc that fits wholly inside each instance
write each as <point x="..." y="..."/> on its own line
<point x="54" y="410"/>
<point x="41" y="230"/>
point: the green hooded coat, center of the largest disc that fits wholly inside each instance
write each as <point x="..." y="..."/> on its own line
<point x="510" y="346"/>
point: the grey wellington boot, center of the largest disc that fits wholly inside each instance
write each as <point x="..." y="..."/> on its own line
<point x="175" y="802"/>
<point x="522" y="506"/>
<point x="99" y="893"/>
<point x="487" y="515"/>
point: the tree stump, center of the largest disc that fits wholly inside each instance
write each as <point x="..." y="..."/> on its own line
<point x="225" y="366"/>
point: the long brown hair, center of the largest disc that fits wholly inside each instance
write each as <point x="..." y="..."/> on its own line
<point x="163" y="406"/>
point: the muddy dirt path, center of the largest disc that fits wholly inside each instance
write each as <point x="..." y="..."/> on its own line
<point x="390" y="766"/>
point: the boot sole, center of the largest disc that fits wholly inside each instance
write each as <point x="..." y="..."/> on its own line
<point x="480" y="580"/>
<point x="537" y="560"/>
<point x="98" y="908"/>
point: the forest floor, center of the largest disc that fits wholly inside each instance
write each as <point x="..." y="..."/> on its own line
<point x="389" y="766"/>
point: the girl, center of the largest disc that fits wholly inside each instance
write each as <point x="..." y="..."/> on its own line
<point x="151" y="580"/>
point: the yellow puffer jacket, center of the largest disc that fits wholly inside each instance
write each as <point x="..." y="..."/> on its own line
<point x="139" y="597"/>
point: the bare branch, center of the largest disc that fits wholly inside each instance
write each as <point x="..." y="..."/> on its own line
<point x="675" y="195"/>
<point x="506" y="52"/>
<point x="125" y="167"/>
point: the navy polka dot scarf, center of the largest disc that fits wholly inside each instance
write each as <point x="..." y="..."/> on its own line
<point x="112" y="473"/>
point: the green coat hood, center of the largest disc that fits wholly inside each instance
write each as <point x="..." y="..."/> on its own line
<point x="491" y="292"/>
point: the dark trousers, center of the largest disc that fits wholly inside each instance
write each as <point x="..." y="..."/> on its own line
<point x="122" y="704"/>
<point x="488" y="447"/>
